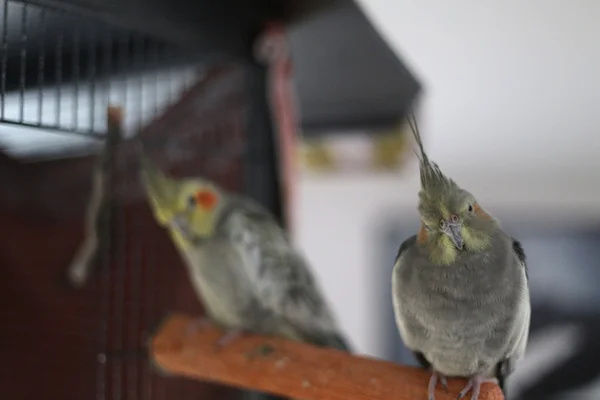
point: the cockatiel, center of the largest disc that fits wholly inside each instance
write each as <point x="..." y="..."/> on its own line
<point x="460" y="287"/>
<point x="240" y="262"/>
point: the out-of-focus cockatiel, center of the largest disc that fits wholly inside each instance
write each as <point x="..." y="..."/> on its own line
<point x="240" y="262"/>
<point x="460" y="289"/>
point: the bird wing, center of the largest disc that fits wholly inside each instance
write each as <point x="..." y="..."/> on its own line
<point x="524" y="316"/>
<point x="410" y="329"/>
<point x="518" y="249"/>
<point x="516" y="352"/>
<point x="405" y="246"/>
<point x="283" y="284"/>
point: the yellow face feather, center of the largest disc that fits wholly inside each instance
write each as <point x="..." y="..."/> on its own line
<point x="475" y="226"/>
<point x="188" y="208"/>
<point x="442" y="251"/>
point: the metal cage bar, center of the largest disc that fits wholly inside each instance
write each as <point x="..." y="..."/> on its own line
<point x="54" y="60"/>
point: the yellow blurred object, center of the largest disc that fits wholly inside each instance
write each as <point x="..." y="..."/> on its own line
<point x="317" y="156"/>
<point x="389" y="150"/>
<point x="385" y="151"/>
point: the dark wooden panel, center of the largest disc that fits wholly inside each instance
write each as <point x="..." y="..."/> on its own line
<point x="51" y="336"/>
<point x="348" y="77"/>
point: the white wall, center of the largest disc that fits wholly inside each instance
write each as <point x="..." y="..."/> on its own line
<point x="511" y="110"/>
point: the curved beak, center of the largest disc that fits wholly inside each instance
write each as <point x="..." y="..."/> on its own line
<point x="181" y="224"/>
<point x="453" y="232"/>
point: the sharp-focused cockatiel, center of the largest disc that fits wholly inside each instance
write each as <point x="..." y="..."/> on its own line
<point x="460" y="287"/>
<point x="240" y="262"/>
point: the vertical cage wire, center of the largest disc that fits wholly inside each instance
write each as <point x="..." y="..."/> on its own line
<point x="4" y="55"/>
<point x="92" y="74"/>
<point x="138" y="62"/>
<point x="58" y="76"/>
<point x="153" y="59"/>
<point x="75" y="68"/>
<point x="41" y="66"/>
<point x="22" y="79"/>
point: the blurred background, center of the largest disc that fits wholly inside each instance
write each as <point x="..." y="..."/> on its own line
<point x="301" y="106"/>
<point x="507" y="111"/>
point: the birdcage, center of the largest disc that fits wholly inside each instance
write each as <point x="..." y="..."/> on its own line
<point x="60" y="71"/>
<point x="87" y="273"/>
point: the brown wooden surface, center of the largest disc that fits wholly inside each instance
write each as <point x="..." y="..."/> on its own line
<point x="59" y="343"/>
<point x="289" y="368"/>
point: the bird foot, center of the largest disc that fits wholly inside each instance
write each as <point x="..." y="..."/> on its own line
<point x="228" y="337"/>
<point x="435" y="377"/>
<point x="196" y="325"/>
<point x="474" y="385"/>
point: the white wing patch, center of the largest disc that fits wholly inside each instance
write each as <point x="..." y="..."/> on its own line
<point x="252" y="253"/>
<point x="399" y="312"/>
<point x="281" y="280"/>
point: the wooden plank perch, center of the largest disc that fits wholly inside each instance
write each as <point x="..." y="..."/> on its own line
<point x="291" y="369"/>
<point x="98" y="220"/>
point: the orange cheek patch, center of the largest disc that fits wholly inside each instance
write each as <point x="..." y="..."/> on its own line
<point x="479" y="211"/>
<point x="422" y="235"/>
<point x="206" y="199"/>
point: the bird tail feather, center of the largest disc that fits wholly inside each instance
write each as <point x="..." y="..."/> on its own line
<point x="337" y="342"/>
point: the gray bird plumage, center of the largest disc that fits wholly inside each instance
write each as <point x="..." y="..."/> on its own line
<point x="240" y="262"/>
<point x="471" y="318"/>
<point x="262" y="284"/>
<point x="460" y="290"/>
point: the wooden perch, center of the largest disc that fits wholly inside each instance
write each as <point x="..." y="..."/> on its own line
<point x="99" y="213"/>
<point x="291" y="369"/>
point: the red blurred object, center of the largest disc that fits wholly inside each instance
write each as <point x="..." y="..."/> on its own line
<point x="273" y="48"/>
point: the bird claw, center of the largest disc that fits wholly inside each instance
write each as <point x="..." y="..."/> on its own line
<point x="200" y="323"/>
<point x="474" y="385"/>
<point x="444" y="382"/>
<point x="196" y="325"/>
<point x="435" y="376"/>
<point x="228" y="337"/>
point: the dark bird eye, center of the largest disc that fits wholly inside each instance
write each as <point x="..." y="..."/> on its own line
<point x="470" y="208"/>
<point x="192" y="201"/>
<point x="442" y="224"/>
